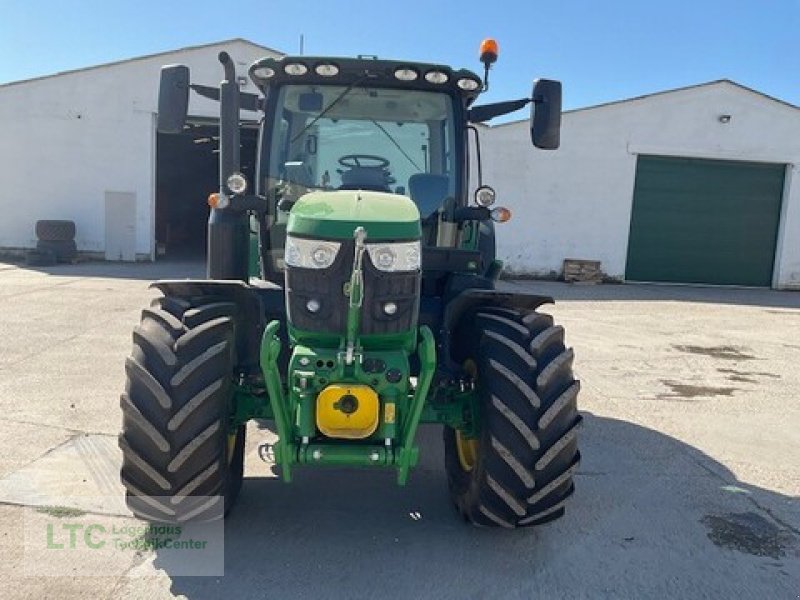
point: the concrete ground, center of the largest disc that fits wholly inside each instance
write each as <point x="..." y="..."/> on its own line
<point x="688" y="487"/>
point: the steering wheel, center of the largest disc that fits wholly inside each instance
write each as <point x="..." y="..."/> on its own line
<point x="357" y="161"/>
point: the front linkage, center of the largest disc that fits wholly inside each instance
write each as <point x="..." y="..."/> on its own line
<point x="288" y="451"/>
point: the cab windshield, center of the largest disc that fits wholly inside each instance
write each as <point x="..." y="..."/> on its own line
<point x="354" y="137"/>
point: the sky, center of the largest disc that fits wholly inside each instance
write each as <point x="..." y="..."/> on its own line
<point x="601" y="50"/>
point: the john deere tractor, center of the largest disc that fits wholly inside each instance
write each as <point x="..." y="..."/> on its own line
<point x="352" y="296"/>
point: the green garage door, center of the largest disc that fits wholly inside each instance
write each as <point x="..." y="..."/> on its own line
<point x="704" y="221"/>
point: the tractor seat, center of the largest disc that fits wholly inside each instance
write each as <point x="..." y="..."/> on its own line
<point x="428" y="192"/>
<point x="366" y="178"/>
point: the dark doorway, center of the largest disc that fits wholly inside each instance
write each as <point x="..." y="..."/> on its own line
<point x="187" y="171"/>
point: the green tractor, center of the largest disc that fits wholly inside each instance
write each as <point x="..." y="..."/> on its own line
<point x="352" y="296"/>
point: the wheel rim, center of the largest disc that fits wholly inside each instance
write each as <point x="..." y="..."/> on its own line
<point x="231" y="446"/>
<point x="468" y="447"/>
<point x="467" y="451"/>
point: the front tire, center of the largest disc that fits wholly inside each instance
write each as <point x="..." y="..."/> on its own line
<point x="518" y="471"/>
<point x="181" y="460"/>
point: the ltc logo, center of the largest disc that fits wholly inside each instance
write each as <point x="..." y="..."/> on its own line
<point x="124" y="537"/>
<point x="89" y="535"/>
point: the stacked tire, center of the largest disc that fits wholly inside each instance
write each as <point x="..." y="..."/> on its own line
<point x="55" y="241"/>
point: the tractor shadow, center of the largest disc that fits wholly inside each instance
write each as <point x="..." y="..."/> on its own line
<point x="649" y="511"/>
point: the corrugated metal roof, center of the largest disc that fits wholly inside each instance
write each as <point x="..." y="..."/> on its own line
<point x="144" y="57"/>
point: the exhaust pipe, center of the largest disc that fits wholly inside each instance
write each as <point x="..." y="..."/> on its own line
<point x="228" y="230"/>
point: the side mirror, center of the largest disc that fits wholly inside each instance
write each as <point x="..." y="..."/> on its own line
<point x="173" y="98"/>
<point x="546" y="114"/>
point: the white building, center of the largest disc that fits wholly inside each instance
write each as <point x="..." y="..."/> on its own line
<point x="81" y="145"/>
<point x="626" y="188"/>
<point x="698" y="184"/>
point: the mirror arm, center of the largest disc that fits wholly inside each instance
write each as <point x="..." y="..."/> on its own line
<point x="471" y="213"/>
<point x="249" y="202"/>
<point x="477" y="153"/>
<point x="246" y="100"/>
<point x="485" y="112"/>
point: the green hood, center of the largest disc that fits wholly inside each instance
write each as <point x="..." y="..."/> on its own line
<point x="334" y="215"/>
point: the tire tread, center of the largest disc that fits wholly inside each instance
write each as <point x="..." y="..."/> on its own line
<point x="528" y="451"/>
<point x="175" y="409"/>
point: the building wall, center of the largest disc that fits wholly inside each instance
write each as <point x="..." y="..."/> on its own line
<point x="69" y="138"/>
<point x="576" y="202"/>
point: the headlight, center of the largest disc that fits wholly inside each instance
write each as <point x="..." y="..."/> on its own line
<point x="326" y="70"/>
<point x="310" y="254"/>
<point x="295" y="69"/>
<point x="468" y="85"/>
<point x="484" y="196"/>
<point x="406" y="74"/>
<point x="263" y="72"/>
<point x="403" y="256"/>
<point x="237" y="183"/>
<point x="436" y="77"/>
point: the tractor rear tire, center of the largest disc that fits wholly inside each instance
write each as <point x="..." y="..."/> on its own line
<point x="518" y="471"/>
<point x="181" y="461"/>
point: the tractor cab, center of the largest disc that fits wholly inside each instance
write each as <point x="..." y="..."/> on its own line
<point x="361" y="124"/>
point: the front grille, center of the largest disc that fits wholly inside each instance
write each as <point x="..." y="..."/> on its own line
<point x="324" y="285"/>
<point x="381" y="287"/>
<point x="327" y="287"/>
